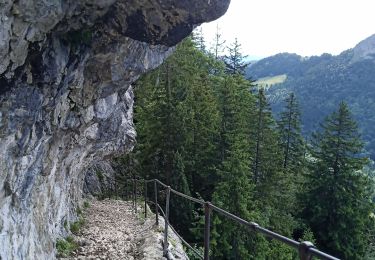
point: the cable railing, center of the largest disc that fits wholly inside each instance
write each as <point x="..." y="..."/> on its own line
<point x="306" y="250"/>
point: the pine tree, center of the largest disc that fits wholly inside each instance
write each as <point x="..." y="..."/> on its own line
<point x="291" y="140"/>
<point x="292" y="145"/>
<point x="177" y="114"/>
<point x="233" y="193"/>
<point x="234" y="190"/>
<point x="271" y="186"/>
<point x="337" y="199"/>
<point x="219" y="44"/>
<point x="198" y="39"/>
<point x="234" y="61"/>
<point x="264" y="148"/>
<point x="180" y="208"/>
<point x="202" y="123"/>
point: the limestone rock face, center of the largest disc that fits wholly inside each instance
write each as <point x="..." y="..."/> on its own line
<point x="99" y="180"/>
<point x="66" y="101"/>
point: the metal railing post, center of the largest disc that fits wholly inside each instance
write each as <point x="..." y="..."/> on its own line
<point x="156" y="203"/>
<point x="145" y="187"/>
<point x="165" y="249"/>
<point x="207" y="224"/>
<point x="303" y="250"/>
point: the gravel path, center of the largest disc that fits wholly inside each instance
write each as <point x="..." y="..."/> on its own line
<point x="112" y="231"/>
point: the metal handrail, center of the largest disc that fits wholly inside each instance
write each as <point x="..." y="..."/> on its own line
<point x="305" y="249"/>
<point x="180" y="237"/>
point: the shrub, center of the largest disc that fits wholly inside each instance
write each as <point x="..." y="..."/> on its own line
<point x="65" y="247"/>
<point x="75" y="227"/>
<point x="86" y="204"/>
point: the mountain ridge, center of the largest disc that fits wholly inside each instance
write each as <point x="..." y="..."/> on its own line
<point x="365" y="49"/>
<point x="322" y="82"/>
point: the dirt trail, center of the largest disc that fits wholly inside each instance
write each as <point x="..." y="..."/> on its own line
<point x="113" y="231"/>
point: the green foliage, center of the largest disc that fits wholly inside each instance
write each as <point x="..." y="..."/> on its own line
<point x="338" y="195"/>
<point x="290" y="137"/>
<point x="66" y="246"/>
<point x="293" y="151"/>
<point x="180" y="208"/>
<point x="234" y="190"/>
<point x="76" y="226"/>
<point x="234" y="61"/>
<point x="320" y="84"/>
<point x="192" y="255"/>
<point x="86" y="204"/>
<point x="308" y="235"/>
<point x="203" y="130"/>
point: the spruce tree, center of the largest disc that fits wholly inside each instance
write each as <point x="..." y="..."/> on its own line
<point x="177" y="113"/>
<point x="234" y="61"/>
<point x="292" y="145"/>
<point x="234" y="191"/>
<point x="235" y="194"/>
<point x="180" y="208"/>
<point x="271" y="186"/>
<point x="291" y="140"/>
<point x="218" y="45"/>
<point x="198" y="39"/>
<point x="264" y="137"/>
<point x="337" y="199"/>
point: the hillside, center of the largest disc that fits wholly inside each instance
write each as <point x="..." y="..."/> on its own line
<point x="321" y="82"/>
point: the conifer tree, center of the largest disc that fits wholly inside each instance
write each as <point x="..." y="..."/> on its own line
<point x="180" y="208"/>
<point x="291" y="140"/>
<point x="271" y="187"/>
<point x="219" y="44"/>
<point x="177" y="116"/>
<point x="293" y="154"/>
<point x="265" y="148"/>
<point x="233" y="193"/>
<point x="202" y="123"/>
<point x="198" y="39"/>
<point x="337" y="199"/>
<point x="234" y="61"/>
<point x="235" y="190"/>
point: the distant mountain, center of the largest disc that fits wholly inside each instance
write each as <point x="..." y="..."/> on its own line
<point x="322" y="82"/>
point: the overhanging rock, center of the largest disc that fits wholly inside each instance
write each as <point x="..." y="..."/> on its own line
<point x="66" y="68"/>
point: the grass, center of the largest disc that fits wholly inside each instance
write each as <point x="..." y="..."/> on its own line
<point x="86" y="204"/>
<point x="76" y="226"/>
<point x="268" y="82"/>
<point x="66" y="246"/>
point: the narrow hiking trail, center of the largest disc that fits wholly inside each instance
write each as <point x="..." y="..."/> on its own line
<point x="113" y="231"/>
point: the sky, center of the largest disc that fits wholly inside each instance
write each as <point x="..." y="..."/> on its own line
<point x="305" y="27"/>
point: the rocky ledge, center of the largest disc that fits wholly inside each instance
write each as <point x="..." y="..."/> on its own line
<point x="66" y="101"/>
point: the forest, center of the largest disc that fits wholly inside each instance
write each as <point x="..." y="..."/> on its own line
<point x="322" y="82"/>
<point x="207" y="130"/>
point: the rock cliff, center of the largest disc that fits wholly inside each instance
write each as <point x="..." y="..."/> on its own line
<point x="66" y="69"/>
